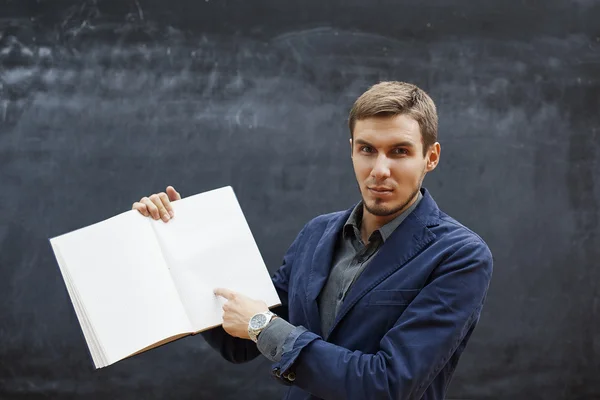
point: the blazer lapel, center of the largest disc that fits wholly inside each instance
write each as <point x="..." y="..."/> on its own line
<point x="321" y="266"/>
<point x="410" y="238"/>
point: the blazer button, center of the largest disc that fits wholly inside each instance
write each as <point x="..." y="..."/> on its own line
<point x="291" y="376"/>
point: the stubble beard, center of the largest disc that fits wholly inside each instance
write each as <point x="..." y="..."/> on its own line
<point x="381" y="211"/>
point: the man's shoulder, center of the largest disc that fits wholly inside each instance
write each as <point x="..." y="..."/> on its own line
<point x="451" y="229"/>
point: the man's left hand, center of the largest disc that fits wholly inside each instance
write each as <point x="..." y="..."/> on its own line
<point x="237" y="312"/>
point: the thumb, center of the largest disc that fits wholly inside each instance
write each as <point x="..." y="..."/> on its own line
<point x="173" y="194"/>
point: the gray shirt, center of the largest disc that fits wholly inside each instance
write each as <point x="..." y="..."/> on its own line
<point x="351" y="256"/>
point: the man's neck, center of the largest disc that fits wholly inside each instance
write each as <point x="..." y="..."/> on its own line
<point x="370" y="222"/>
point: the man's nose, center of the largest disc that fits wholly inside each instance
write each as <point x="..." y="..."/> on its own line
<point x="381" y="169"/>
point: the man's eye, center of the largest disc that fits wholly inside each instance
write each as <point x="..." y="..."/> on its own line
<point x="400" y="151"/>
<point x="366" y="149"/>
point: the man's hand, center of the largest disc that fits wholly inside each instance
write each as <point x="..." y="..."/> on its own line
<point x="158" y="206"/>
<point x="237" y="312"/>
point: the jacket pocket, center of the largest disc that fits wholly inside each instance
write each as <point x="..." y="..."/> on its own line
<point x="400" y="297"/>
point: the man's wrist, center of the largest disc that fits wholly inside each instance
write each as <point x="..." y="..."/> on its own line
<point x="258" y="322"/>
<point x="273" y="317"/>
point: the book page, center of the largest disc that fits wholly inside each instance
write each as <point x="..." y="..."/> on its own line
<point x="208" y="244"/>
<point x="88" y="333"/>
<point x="125" y="291"/>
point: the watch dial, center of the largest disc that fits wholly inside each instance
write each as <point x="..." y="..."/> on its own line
<point x="258" y="321"/>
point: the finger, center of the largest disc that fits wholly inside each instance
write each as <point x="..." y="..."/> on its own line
<point x="150" y="207"/>
<point x="156" y="199"/>
<point x="226" y="293"/>
<point x="141" y="208"/>
<point x="167" y="204"/>
<point x="173" y="194"/>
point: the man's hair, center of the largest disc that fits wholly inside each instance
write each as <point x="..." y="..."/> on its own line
<point x="388" y="99"/>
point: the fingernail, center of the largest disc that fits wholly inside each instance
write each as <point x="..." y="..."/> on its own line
<point x="172" y="214"/>
<point x="165" y="217"/>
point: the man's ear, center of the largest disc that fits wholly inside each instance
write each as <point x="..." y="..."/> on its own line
<point x="351" y="152"/>
<point x="433" y="156"/>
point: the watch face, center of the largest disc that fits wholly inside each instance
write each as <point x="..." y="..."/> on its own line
<point x="258" y="321"/>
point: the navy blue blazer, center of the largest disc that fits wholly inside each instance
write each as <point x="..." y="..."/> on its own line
<point x="403" y="324"/>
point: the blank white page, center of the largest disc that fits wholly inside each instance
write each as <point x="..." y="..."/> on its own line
<point x="209" y="244"/>
<point x="90" y="337"/>
<point x="123" y="284"/>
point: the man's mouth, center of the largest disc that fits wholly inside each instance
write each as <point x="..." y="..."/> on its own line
<point x="380" y="189"/>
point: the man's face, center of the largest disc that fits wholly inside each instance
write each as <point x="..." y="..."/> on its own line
<point x="387" y="154"/>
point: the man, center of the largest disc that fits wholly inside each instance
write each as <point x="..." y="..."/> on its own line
<point x="378" y="301"/>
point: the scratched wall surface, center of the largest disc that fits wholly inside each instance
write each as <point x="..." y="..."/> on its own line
<point x="102" y="102"/>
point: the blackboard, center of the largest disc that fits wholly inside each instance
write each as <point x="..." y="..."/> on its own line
<point x="103" y="102"/>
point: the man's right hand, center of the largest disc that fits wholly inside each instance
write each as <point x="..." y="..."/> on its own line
<point x="158" y="205"/>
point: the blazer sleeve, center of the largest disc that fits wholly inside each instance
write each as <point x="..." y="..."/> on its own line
<point x="412" y="352"/>
<point x="238" y="350"/>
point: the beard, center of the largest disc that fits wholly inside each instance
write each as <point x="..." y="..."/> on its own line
<point x="381" y="210"/>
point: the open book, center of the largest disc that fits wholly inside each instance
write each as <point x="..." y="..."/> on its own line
<point x="137" y="283"/>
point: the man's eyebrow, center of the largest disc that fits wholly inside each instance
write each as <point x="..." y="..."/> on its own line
<point x="361" y="141"/>
<point x="404" y="144"/>
<point x="399" y="144"/>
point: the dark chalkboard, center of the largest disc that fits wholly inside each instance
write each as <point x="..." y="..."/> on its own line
<point x="103" y="102"/>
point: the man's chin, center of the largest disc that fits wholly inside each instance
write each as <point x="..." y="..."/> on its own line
<point x="380" y="210"/>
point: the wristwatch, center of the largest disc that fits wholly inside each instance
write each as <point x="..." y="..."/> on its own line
<point x="257" y="323"/>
